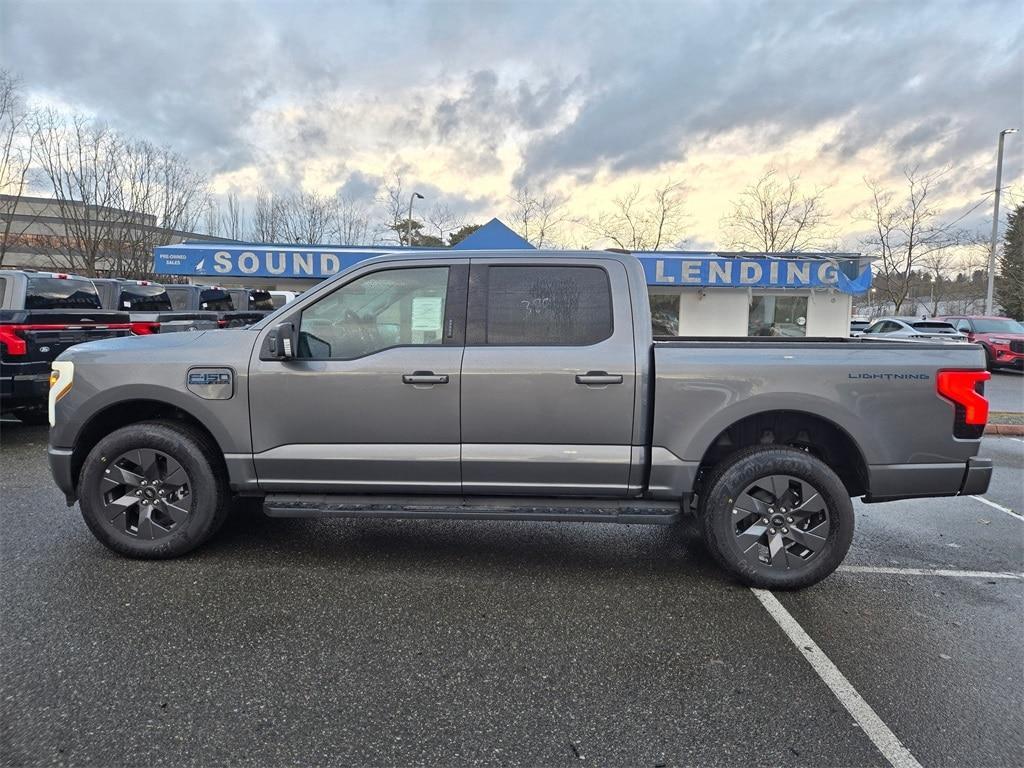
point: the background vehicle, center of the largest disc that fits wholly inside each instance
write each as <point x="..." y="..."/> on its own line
<point x="149" y="307"/>
<point x="191" y="298"/>
<point x="1002" y="338"/>
<point x="913" y="330"/>
<point x="280" y="298"/>
<point x="523" y="387"/>
<point x="41" y="315"/>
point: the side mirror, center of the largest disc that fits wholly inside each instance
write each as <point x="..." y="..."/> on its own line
<point x="282" y="341"/>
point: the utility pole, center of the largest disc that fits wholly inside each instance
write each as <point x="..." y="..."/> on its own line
<point x="990" y="290"/>
<point x="408" y="224"/>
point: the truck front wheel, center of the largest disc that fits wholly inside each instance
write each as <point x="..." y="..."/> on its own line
<point x="152" y="490"/>
<point x="776" y="517"/>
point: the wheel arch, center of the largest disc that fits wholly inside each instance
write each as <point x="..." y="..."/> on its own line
<point x="124" y="413"/>
<point x="820" y="436"/>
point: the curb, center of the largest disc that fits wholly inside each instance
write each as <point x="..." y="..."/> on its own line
<point x="1004" y="429"/>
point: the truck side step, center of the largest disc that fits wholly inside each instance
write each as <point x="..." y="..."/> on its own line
<point x="472" y="508"/>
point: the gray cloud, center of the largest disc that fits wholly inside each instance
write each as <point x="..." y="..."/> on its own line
<point x="619" y="86"/>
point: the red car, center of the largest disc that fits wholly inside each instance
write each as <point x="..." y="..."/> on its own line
<point x="1002" y="338"/>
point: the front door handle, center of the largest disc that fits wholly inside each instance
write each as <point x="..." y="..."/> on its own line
<point x="424" y="377"/>
<point x="592" y="378"/>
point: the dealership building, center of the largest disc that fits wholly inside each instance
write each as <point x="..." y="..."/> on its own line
<point x="692" y="293"/>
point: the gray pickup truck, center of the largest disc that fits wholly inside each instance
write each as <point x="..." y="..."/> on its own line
<point x="526" y="387"/>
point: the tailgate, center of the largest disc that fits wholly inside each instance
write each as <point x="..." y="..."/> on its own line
<point x="47" y="333"/>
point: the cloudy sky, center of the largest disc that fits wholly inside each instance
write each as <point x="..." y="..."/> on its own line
<point x="468" y="100"/>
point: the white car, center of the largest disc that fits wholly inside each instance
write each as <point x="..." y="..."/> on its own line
<point x="913" y="330"/>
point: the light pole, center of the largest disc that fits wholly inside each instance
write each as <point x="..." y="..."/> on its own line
<point x="408" y="226"/>
<point x="995" y="224"/>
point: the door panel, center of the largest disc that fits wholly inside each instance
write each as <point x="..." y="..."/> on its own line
<point x="528" y="425"/>
<point x="355" y="425"/>
<point x="386" y="420"/>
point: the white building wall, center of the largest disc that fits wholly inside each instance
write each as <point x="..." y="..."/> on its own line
<point x="719" y="312"/>
<point x="726" y="311"/>
<point x="829" y="314"/>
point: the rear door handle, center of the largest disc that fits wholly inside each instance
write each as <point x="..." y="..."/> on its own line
<point x="424" y="377"/>
<point x="598" y="377"/>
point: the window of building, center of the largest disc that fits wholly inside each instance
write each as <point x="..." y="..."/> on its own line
<point x="777" y="316"/>
<point x="665" y="314"/>
<point x="564" y="306"/>
<point x="393" y="307"/>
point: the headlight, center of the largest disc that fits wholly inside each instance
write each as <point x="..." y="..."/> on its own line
<point x="61" y="376"/>
<point x="1000" y="341"/>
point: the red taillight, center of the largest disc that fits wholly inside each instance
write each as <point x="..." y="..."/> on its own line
<point x="144" y="329"/>
<point x="12" y="342"/>
<point x="965" y="390"/>
<point x="222" y="323"/>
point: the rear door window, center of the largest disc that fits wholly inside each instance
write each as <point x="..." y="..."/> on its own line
<point x="260" y="301"/>
<point x="547" y="306"/>
<point x="144" y="298"/>
<point x="216" y="300"/>
<point x="61" y="293"/>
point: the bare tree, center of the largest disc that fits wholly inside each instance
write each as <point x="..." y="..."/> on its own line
<point x="117" y="198"/>
<point x="643" y="222"/>
<point x="352" y="224"/>
<point x="307" y="218"/>
<point x="17" y="145"/>
<point x="907" y="230"/>
<point x="774" y="216"/>
<point x="441" y="221"/>
<point x="537" y="217"/>
<point x="396" y="209"/>
<point x="267" y="218"/>
<point x="232" y="222"/>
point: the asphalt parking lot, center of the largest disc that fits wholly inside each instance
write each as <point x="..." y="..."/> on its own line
<point x="1005" y="391"/>
<point x="412" y="642"/>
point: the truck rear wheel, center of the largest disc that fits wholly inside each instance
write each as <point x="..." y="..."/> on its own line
<point x="153" y="490"/>
<point x="777" y="517"/>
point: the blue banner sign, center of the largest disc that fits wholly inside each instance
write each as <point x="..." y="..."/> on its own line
<point x="691" y="269"/>
<point x="709" y="271"/>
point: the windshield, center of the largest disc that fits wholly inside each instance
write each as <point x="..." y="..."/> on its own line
<point x="61" y="293"/>
<point x="998" y="325"/>
<point x="144" y="298"/>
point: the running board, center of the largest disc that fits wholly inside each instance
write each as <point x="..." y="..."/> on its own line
<point x="472" y="508"/>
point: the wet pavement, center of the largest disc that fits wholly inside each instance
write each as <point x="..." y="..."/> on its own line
<point x="421" y="642"/>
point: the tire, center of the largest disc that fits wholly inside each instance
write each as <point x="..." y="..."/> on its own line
<point x="173" y="470"/>
<point x="809" y="513"/>
<point x="33" y="417"/>
<point x="990" y="363"/>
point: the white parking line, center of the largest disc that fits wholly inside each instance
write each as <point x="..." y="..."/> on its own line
<point x="892" y="748"/>
<point x="892" y="571"/>
<point x="1000" y="507"/>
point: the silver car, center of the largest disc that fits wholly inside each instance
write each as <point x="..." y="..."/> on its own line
<point x="913" y="330"/>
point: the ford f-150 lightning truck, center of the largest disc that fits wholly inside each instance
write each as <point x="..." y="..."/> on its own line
<point x="486" y="385"/>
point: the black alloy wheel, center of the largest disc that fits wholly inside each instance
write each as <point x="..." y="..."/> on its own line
<point x="145" y="493"/>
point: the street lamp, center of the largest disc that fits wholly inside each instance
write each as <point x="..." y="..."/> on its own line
<point x="995" y="224"/>
<point x="408" y="226"/>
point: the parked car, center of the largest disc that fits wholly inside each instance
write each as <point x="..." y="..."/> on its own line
<point x="913" y="330"/>
<point x="484" y="386"/>
<point x="216" y="299"/>
<point x="41" y="315"/>
<point x="1002" y="338"/>
<point x="149" y="307"/>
